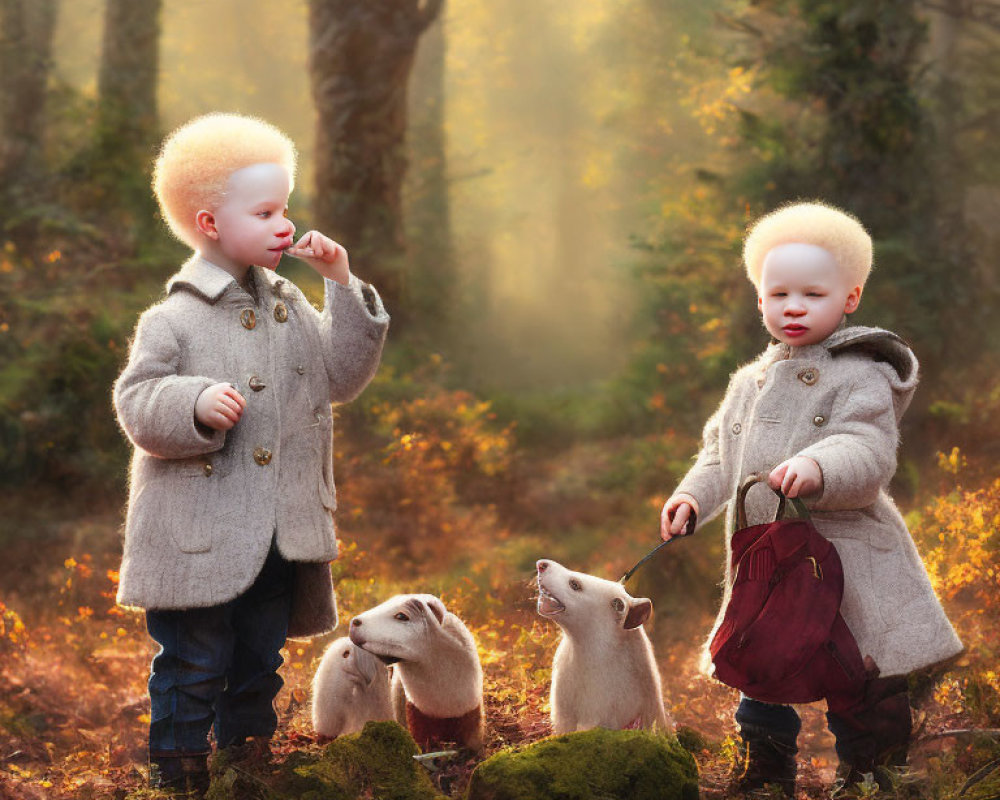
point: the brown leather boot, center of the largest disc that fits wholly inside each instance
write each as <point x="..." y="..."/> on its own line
<point x="180" y="774"/>
<point x="874" y="738"/>
<point x="765" y="761"/>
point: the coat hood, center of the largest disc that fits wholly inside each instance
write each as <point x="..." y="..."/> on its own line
<point x="879" y="345"/>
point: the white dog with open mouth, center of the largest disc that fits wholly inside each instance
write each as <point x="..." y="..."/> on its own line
<point x="350" y="688"/>
<point x="437" y="681"/>
<point x="604" y="674"/>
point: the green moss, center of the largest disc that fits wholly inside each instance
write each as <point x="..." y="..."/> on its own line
<point x="693" y="741"/>
<point x="378" y="762"/>
<point x="591" y="765"/>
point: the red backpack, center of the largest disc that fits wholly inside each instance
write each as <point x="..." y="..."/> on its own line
<point x="782" y="637"/>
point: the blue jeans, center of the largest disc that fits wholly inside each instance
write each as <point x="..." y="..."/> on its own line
<point x="218" y="666"/>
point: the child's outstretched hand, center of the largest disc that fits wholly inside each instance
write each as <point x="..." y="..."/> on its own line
<point x="797" y="476"/>
<point x="324" y="255"/>
<point x="675" y="515"/>
<point x="219" y="407"/>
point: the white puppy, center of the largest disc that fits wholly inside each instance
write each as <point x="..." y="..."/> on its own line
<point x="350" y="688"/>
<point x="437" y="680"/>
<point x="604" y="674"/>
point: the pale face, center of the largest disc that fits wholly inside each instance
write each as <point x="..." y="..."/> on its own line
<point x="249" y="226"/>
<point x="803" y="296"/>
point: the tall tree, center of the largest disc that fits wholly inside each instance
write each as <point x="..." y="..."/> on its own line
<point x="361" y="55"/>
<point x="427" y="206"/>
<point x="26" y="31"/>
<point x="127" y="120"/>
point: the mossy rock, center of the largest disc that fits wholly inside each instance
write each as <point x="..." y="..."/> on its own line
<point x="694" y="741"/>
<point x="597" y="764"/>
<point x="378" y="762"/>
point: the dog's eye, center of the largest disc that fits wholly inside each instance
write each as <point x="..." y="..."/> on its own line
<point x="574" y="584"/>
<point x="618" y="605"/>
<point x="347" y="653"/>
<point x="402" y="617"/>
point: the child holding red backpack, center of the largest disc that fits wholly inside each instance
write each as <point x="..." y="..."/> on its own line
<point x="818" y="412"/>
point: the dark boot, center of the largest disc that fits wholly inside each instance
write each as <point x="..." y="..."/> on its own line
<point x="252" y="754"/>
<point x="874" y="738"/>
<point x="768" y="735"/>
<point x="180" y="774"/>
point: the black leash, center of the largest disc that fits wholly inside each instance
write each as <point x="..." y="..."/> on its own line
<point x="655" y="550"/>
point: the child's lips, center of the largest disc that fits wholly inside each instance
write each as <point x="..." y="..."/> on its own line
<point x="794" y="330"/>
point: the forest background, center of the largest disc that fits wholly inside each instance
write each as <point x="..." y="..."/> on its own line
<point x="551" y="197"/>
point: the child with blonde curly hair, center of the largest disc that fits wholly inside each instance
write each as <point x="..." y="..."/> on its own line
<point x="819" y="412"/>
<point x="226" y="399"/>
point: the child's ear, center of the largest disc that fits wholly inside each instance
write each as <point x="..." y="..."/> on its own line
<point x="205" y="222"/>
<point x="853" y="300"/>
<point x="760" y="303"/>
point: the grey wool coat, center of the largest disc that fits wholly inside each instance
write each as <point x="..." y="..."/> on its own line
<point x="838" y="402"/>
<point x="204" y="504"/>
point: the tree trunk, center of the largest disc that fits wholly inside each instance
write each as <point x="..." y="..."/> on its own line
<point x="127" y="120"/>
<point x="26" y="30"/>
<point x="360" y="60"/>
<point x="428" y="210"/>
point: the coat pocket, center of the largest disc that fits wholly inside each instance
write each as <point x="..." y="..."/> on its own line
<point x="192" y="497"/>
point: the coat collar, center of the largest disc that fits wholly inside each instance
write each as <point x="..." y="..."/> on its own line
<point x="880" y="344"/>
<point x="202" y="277"/>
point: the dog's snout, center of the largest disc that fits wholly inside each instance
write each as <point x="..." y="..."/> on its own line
<point x="542" y="565"/>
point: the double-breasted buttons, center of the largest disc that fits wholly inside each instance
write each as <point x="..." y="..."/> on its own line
<point x="809" y="376"/>
<point x="256" y="383"/>
<point x="280" y="312"/>
<point x="207" y="469"/>
<point x="737" y="428"/>
<point x="248" y="318"/>
<point x="262" y="456"/>
<point x="301" y="369"/>
<point x="819" y="420"/>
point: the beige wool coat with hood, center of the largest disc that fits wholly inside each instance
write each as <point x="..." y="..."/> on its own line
<point x="204" y="504"/>
<point x="838" y="402"/>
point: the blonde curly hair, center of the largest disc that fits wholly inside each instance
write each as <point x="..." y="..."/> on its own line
<point x="816" y="223"/>
<point x="196" y="160"/>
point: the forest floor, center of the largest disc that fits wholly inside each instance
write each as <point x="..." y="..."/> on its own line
<point x="74" y="712"/>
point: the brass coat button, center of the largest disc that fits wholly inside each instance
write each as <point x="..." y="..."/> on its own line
<point x="809" y="376"/>
<point x="737" y="428"/>
<point x="819" y="420"/>
<point x="262" y="456"/>
<point x="280" y="312"/>
<point x="248" y="318"/>
<point x="256" y="383"/>
<point x="300" y="369"/>
<point x="207" y="469"/>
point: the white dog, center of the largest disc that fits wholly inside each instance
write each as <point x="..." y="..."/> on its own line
<point x="437" y="680"/>
<point x="351" y="687"/>
<point x="604" y="673"/>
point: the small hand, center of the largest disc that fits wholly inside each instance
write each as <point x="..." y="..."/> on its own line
<point x="219" y="407"/>
<point x="797" y="476"/>
<point x="324" y="255"/>
<point x="675" y="515"/>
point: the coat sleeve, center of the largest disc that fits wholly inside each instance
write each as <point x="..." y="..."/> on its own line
<point x="353" y="328"/>
<point x="155" y="405"/>
<point x="858" y="454"/>
<point x="706" y="481"/>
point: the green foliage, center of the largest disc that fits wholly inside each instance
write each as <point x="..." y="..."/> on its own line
<point x="599" y="763"/>
<point x="377" y="762"/>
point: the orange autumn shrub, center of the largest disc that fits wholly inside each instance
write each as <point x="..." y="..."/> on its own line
<point x="960" y="542"/>
<point x="424" y="494"/>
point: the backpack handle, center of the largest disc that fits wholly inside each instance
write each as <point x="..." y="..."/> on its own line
<point x="741" y="498"/>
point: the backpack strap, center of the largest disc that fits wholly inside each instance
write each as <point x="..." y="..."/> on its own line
<point x="741" y="498"/>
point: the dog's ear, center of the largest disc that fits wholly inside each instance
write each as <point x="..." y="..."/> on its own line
<point x="638" y="613"/>
<point x="437" y="609"/>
